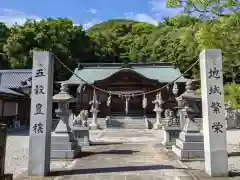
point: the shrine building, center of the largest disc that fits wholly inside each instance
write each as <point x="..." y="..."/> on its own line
<point x="124" y="79"/>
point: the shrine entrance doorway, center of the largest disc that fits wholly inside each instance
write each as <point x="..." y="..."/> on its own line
<point x="133" y="108"/>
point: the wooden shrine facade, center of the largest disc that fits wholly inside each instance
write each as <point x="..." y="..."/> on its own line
<point x="121" y="79"/>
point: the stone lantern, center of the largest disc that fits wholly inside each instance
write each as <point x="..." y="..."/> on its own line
<point x="190" y="144"/>
<point x="94" y="110"/>
<point x="63" y="144"/>
<point x="172" y="128"/>
<point x="158" y="109"/>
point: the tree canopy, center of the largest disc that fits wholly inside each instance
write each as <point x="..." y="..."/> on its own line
<point x="178" y="40"/>
<point x="207" y="8"/>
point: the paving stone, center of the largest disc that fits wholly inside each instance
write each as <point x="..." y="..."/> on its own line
<point x="137" y="160"/>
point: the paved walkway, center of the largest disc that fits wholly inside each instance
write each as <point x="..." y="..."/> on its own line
<point x="122" y="155"/>
<point x="124" y="162"/>
<point x="125" y="155"/>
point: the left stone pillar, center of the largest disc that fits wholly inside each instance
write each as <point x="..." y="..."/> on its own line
<point x="41" y="114"/>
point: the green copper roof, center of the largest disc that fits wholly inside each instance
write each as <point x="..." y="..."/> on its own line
<point x="159" y="72"/>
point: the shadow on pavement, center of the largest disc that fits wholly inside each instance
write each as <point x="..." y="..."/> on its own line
<point x="18" y="132"/>
<point x="111" y="169"/>
<point x="120" y="152"/>
<point x="104" y="143"/>
<point x="234" y="173"/>
<point x="232" y="154"/>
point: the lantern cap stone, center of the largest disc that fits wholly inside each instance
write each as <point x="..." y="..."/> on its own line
<point x="63" y="95"/>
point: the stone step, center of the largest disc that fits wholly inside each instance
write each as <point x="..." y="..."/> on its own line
<point x="187" y="154"/>
<point x="65" y="154"/>
<point x="124" y="122"/>
<point x="189" y="145"/>
<point x="64" y="145"/>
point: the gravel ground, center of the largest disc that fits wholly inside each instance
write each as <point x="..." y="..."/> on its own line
<point x="16" y="160"/>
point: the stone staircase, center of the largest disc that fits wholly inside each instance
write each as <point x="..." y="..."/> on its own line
<point x="126" y="122"/>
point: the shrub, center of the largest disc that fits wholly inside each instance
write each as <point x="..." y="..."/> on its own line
<point x="231" y="94"/>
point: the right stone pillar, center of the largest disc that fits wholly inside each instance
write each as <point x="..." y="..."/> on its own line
<point x="190" y="144"/>
<point x="214" y="128"/>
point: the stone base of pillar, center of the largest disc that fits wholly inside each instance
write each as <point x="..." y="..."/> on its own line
<point x="63" y="146"/>
<point x="157" y="126"/>
<point x="145" y="118"/>
<point x="81" y="134"/>
<point x="170" y="134"/>
<point x="189" y="146"/>
<point x="94" y="126"/>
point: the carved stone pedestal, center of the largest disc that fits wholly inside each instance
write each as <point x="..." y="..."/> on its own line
<point x="81" y="134"/>
<point x="94" y="126"/>
<point x="189" y="146"/>
<point x="108" y="122"/>
<point x="158" y="124"/>
<point x="145" y="118"/>
<point x="170" y="134"/>
<point x="190" y="143"/>
<point x="64" y="146"/>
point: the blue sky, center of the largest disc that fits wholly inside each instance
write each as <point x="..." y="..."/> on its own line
<point x="86" y="13"/>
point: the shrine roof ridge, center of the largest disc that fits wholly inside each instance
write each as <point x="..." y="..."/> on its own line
<point x="91" y="73"/>
<point x="124" y="65"/>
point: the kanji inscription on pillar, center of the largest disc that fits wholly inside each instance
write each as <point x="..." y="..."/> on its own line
<point x="41" y="114"/>
<point x="214" y="127"/>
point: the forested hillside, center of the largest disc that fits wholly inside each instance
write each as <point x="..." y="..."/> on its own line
<point x="178" y="40"/>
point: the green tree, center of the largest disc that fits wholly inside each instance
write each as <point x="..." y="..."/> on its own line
<point x="4" y="32"/>
<point x="214" y="8"/>
<point x="223" y="34"/>
<point x="59" y="36"/>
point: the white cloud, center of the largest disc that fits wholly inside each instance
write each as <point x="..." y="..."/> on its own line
<point x="11" y="17"/>
<point x="93" y="11"/>
<point x="160" y="11"/>
<point x="91" y="23"/>
<point x="141" y="17"/>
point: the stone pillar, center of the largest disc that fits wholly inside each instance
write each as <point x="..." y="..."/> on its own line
<point x="214" y="129"/>
<point x="158" y="109"/>
<point x="41" y="114"/>
<point x="94" y="110"/>
<point x="189" y="145"/>
<point x="63" y="144"/>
